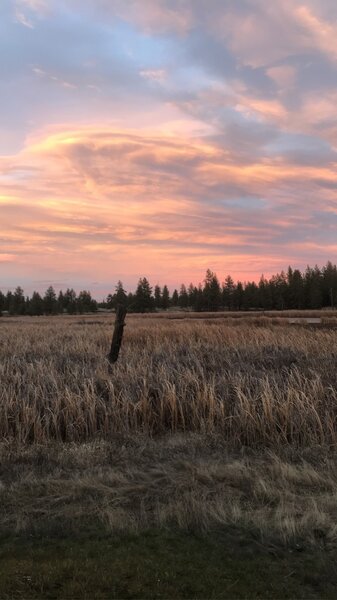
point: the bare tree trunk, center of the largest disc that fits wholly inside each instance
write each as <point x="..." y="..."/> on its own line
<point x="117" y="334"/>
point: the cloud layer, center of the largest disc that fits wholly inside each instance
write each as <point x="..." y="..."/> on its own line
<point x="163" y="141"/>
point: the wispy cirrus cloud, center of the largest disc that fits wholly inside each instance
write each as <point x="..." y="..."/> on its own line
<point x="189" y="133"/>
<point x="26" y="11"/>
<point x="93" y="192"/>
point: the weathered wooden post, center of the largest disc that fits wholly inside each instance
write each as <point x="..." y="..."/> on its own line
<point x="118" y="333"/>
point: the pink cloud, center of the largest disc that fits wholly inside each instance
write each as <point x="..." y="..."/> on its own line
<point x="107" y="197"/>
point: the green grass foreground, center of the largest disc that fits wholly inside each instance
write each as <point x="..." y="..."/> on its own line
<point x="163" y="564"/>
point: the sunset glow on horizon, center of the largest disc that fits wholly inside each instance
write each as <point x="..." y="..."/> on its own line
<point x="160" y="138"/>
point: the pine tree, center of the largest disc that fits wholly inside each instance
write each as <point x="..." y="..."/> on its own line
<point x="199" y="299"/>
<point x="228" y="289"/>
<point x="143" y="300"/>
<point x="109" y="301"/>
<point x="238" y="296"/>
<point x="130" y="302"/>
<point x="50" y="304"/>
<point x="35" y="304"/>
<point x="70" y="301"/>
<point x="251" y="296"/>
<point x="8" y="300"/>
<point x="183" y="297"/>
<point x="295" y="289"/>
<point x="175" y="298"/>
<point x="278" y="288"/>
<point x="60" y="301"/>
<point x="165" y="298"/>
<point x="313" y="287"/>
<point x="263" y="295"/>
<point x="192" y="295"/>
<point x="2" y="302"/>
<point x="157" y="297"/>
<point x="85" y="303"/>
<point x="18" y="302"/>
<point x="212" y="291"/>
<point x="120" y="296"/>
<point x="329" y="284"/>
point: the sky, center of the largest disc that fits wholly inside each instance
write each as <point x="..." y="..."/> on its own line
<point x="160" y="138"/>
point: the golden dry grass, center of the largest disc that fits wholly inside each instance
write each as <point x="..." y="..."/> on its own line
<point x="201" y="423"/>
<point x="255" y="384"/>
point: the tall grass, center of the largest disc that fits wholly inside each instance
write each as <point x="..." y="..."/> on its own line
<point x="256" y="385"/>
<point x="224" y="388"/>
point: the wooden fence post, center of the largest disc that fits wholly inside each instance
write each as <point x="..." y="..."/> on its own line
<point x="117" y="334"/>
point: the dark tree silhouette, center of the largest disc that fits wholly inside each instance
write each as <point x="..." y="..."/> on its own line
<point x="314" y="289"/>
<point x="165" y="298"/>
<point x="143" y="301"/>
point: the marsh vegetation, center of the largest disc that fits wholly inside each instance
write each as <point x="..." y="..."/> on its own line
<point x="203" y="425"/>
<point x="254" y="381"/>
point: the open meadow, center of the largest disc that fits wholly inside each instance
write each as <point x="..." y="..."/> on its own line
<point x="206" y="424"/>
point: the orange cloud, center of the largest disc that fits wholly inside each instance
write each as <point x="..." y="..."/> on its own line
<point x="107" y="203"/>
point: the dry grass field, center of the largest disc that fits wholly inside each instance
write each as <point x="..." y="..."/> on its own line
<point x="256" y="383"/>
<point x="203" y="423"/>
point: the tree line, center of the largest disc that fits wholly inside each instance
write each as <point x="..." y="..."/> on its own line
<point x="314" y="288"/>
<point x="16" y="303"/>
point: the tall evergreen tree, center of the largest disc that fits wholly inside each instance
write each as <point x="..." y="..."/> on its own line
<point x="130" y="301"/>
<point x="313" y="287"/>
<point x="265" y="300"/>
<point x="157" y="297"/>
<point x="70" y="301"/>
<point x="85" y="302"/>
<point x="192" y="295"/>
<point x="212" y="291"/>
<point x="295" y="294"/>
<point x="183" y="297"/>
<point x="251" y="296"/>
<point x="2" y="302"/>
<point x="278" y="288"/>
<point x="143" y="300"/>
<point x="18" y="302"/>
<point x="329" y="285"/>
<point x="199" y="299"/>
<point x="35" y="305"/>
<point x="60" y="301"/>
<point x="109" y="301"/>
<point x="228" y="290"/>
<point x="238" y="296"/>
<point x="120" y="296"/>
<point x="165" y="299"/>
<point x="175" y="298"/>
<point x="8" y="300"/>
<point x="50" y="304"/>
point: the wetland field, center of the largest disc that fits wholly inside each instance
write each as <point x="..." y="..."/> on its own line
<point x="213" y="438"/>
